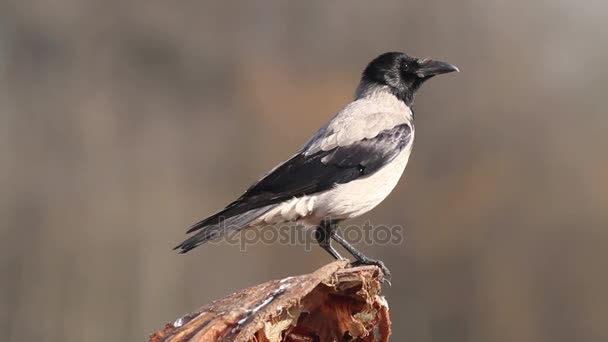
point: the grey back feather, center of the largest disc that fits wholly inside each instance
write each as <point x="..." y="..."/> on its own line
<point x="375" y="109"/>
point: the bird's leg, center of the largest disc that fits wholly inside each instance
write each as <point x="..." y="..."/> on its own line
<point x="361" y="258"/>
<point x="324" y="233"/>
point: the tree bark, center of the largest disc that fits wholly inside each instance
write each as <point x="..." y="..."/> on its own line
<point x="333" y="303"/>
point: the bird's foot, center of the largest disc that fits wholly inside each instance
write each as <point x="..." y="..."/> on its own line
<point x="378" y="263"/>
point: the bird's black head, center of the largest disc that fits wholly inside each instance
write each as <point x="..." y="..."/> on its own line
<point x="403" y="74"/>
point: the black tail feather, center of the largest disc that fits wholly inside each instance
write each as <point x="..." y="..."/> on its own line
<point x="216" y="226"/>
<point x="214" y="219"/>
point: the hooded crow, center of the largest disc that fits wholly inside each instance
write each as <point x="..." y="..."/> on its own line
<point x="346" y="168"/>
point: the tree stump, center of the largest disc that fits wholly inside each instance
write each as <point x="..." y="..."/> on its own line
<point x="333" y="303"/>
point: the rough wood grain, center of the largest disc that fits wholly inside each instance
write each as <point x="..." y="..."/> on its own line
<point x="333" y="303"/>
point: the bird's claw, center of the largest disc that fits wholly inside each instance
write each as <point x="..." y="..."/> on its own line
<point x="378" y="263"/>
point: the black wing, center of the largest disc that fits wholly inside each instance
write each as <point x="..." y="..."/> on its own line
<point x="309" y="174"/>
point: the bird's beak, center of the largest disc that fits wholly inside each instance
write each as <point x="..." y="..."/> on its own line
<point x="428" y="68"/>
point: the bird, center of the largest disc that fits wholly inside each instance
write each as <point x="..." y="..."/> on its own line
<point x="348" y="167"/>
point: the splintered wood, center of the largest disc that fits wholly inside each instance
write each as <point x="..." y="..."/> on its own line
<point x="332" y="304"/>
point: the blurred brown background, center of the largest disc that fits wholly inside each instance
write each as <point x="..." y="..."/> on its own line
<point x="123" y="122"/>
